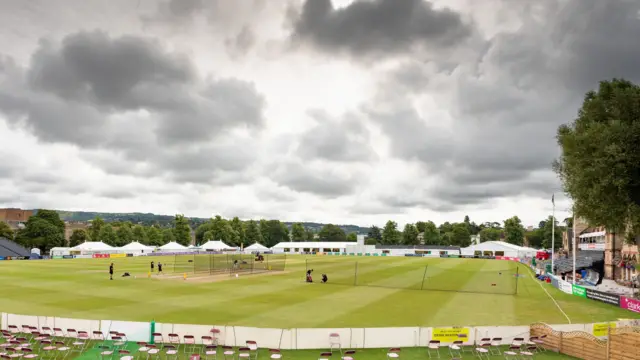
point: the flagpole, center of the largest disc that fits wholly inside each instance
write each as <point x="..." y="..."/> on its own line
<point x="553" y="233"/>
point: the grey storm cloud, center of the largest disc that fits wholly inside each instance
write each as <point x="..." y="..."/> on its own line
<point x="507" y="103"/>
<point x="130" y="95"/>
<point x="318" y="180"/>
<point x="378" y="26"/>
<point x="341" y="140"/>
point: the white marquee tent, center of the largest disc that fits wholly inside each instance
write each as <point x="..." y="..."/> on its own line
<point x="499" y="248"/>
<point x="91" y="247"/>
<point x="255" y="247"/>
<point x="136" y="248"/>
<point x="172" y="246"/>
<point x="216" y="246"/>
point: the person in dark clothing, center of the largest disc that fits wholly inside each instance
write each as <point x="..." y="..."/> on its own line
<point x="111" y="271"/>
<point x="309" y="278"/>
<point x="159" y="268"/>
<point x="152" y="266"/>
<point x="324" y="278"/>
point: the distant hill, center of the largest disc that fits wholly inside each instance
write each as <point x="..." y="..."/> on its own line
<point x="148" y="219"/>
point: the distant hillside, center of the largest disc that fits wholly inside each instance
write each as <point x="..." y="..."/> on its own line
<point x="165" y="220"/>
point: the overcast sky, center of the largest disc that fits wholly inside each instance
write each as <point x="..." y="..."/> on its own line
<point x="345" y="111"/>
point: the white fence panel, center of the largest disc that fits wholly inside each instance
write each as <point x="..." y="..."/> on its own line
<point x="198" y="331"/>
<point x="19" y="320"/>
<point x="571" y="327"/>
<point x="164" y="329"/>
<point x="4" y="321"/>
<point x="319" y="338"/>
<point x="135" y="331"/>
<point x="77" y="324"/>
<point x="266" y="338"/>
<point x="506" y="333"/>
<point x="391" y="337"/>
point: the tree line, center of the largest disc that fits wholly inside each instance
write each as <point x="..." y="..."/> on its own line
<point x="45" y="230"/>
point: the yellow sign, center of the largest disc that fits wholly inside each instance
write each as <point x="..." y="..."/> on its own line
<point x="319" y="253"/>
<point x="447" y="335"/>
<point x="601" y="329"/>
<point x="117" y="255"/>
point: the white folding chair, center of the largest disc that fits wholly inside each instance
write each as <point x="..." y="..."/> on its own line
<point x="433" y="348"/>
<point x="334" y="342"/>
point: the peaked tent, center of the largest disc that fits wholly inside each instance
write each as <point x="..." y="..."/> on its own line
<point x="216" y="245"/>
<point x="136" y="248"/>
<point x="256" y="247"/>
<point x="172" y="246"/>
<point x="92" y="246"/>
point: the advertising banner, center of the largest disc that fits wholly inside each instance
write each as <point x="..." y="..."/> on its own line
<point x="507" y="258"/>
<point x="554" y="282"/>
<point x="83" y="256"/>
<point x="448" y="335"/>
<point x="578" y="290"/>
<point x="565" y="287"/>
<point x="603" y="297"/>
<point x="454" y="256"/>
<point x="630" y="304"/>
<point x="602" y="329"/>
<point x="117" y="255"/>
<point x="67" y="256"/>
<point x="1" y="257"/>
<point x="100" y="256"/>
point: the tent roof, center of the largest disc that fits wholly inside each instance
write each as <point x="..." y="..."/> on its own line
<point x="498" y="246"/>
<point x="215" y="245"/>
<point x="136" y="246"/>
<point x="92" y="245"/>
<point x="256" y="246"/>
<point x="172" y="246"/>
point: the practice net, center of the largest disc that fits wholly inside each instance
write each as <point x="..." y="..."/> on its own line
<point x="228" y="263"/>
<point x="503" y="280"/>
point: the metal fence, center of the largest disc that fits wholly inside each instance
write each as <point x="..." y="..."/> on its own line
<point x="228" y="263"/>
<point x="416" y="277"/>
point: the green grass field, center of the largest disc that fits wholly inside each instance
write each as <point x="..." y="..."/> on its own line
<point x="80" y="288"/>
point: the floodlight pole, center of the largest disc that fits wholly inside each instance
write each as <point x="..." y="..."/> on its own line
<point x="553" y="234"/>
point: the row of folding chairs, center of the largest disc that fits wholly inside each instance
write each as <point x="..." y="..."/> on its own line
<point x="489" y="346"/>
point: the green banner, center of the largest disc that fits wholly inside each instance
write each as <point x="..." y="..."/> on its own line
<point x="454" y="256"/>
<point x="579" y="291"/>
<point x="57" y="257"/>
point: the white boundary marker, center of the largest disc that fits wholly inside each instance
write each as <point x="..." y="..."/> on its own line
<point x="552" y="298"/>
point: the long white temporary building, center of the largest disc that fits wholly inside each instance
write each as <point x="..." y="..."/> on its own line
<point x="498" y="248"/>
<point x="136" y="248"/>
<point x="216" y="246"/>
<point x="321" y="247"/>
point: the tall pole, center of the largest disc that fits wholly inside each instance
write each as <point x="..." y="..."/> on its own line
<point x="574" y="255"/>
<point x="553" y="233"/>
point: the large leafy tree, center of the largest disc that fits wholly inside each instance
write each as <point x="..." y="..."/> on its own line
<point x="124" y="234"/>
<point x="94" y="230"/>
<point x="600" y="156"/>
<point x="107" y="235"/>
<point x="43" y="233"/>
<point x="390" y="233"/>
<point x="332" y="233"/>
<point x="431" y="234"/>
<point x="238" y="228"/>
<point x="297" y="232"/>
<point x="182" y="230"/>
<point x="140" y="234"/>
<point x="460" y="235"/>
<point x="168" y="236"/>
<point x="514" y="231"/>
<point x="5" y="231"/>
<point x="252" y="233"/>
<point x="375" y="234"/>
<point x="490" y="234"/>
<point x="78" y="236"/>
<point x="410" y="235"/>
<point x="154" y="236"/>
